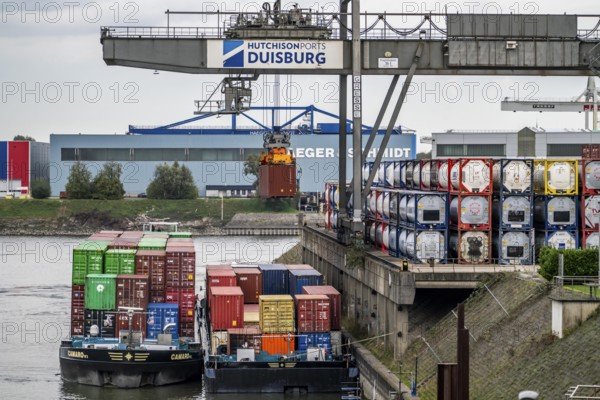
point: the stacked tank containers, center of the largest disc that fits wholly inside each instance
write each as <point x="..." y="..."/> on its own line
<point x="556" y="206"/>
<point x="590" y="196"/>
<point x="469" y="184"/>
<point x="332" y="204"/>
<point x="512" y="213"/>
<point x="113" y="270"/>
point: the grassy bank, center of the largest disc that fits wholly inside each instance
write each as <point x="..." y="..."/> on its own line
<point x="179" y="210"/>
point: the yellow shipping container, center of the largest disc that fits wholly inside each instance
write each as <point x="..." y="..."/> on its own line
<point x="276" y="313"/>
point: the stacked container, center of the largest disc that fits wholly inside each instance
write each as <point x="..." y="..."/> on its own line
<point x="104" y="281"/>
<point x="469" y="182"/>
<point x="180" y="256"/>
<point x="513" y="211"/>
<point x="590" y="196"/>
<point x="556" y="183"/>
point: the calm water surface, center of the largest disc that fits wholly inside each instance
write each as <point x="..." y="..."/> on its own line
<point x="35" y="274"/>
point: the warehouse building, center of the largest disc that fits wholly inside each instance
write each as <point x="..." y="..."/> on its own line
<point x="21" y="162"/>
<point x="214" y="159"/>
<point x="527" y="142"/>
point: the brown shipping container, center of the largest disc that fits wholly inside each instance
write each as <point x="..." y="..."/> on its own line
<point x="247" y="337"/>
<point x="132" y="291"/>
<point x="251" y="315"/>
<point x="152" y="263"/>
<point x="312" y="313"/>
<point x="158" y="296"/>
<point x="278" y="343"/>
<point x="335" y="298"/>
<point x="77" y="328"/>
<point x="187" y="299"/>
<point x="132" y="234"/>
<point x="277" y="180"/>
<point x="298" y="266"/>
<point x="77" y="303"/>
<point x="227" y="308"/>
<point x="181" y="266"/>
<point x="139" y="322"/>
<point x="186" y="329"/>
<point x="250" y="280"/>
<point x="127" y="243"/>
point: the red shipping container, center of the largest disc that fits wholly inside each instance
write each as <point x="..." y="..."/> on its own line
<point x="77" y="328"/>
<point x="152" y="263"/>
<point x="277" y="180"/>
<point x="312" y="313"/>
<point x="220" y="277"/>
<point x="280" y="343"/>
<point x="181" y="266"/>
<point x="586" y="151"/>
<point x="218" y="266"/>
<point x="250" y="281"/>
<point x="335" y="300"/>
<point x="158" y="296"/>
<point x="186" y="329"/>
<point x="292" y="267"/>
<point x="132" y="234"/>
<point x="139" y="322"/>
<point x="77" y="303"/>
<point x="187" y="300"/>
<point x="227" y="308"/>
<point x="132" y="291"/>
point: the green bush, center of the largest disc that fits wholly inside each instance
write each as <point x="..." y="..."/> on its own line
<point x="40" y="188"/>
<point x="579" y="262"/>
<point x="172" y="183"/>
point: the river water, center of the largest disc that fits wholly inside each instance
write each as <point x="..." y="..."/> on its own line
<point x="35" y="275"/>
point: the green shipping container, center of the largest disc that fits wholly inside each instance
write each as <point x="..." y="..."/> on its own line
<point x="88" y="258"/>
<point x="101" y="292"/>
<point x="152" y="244"/>
<point x="120" y="261"/>
<point x="180" y="234"/>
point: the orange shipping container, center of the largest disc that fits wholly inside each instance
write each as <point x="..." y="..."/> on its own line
<point x="278" y="343"/>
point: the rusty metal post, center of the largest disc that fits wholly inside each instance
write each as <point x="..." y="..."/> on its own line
<point x="462" y="356"/>
<point x="447" y="381"/>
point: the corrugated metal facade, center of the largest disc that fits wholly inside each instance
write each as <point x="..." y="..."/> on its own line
<point x="213" y="159"/>
<point x="527" y="142"/>
<point x="20" y="163"/>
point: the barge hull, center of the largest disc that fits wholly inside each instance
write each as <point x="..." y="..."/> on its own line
<point x="278" y="378"/>
<point x="127" y="374"/>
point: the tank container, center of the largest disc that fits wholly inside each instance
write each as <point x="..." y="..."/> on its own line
<point x="427" y="210"/>
<point x="555" y="212"/>
<point x="591" y="212"/>
<point x="513" y="176"/>
<point x="514" y="247"/>
<point x="470" y="247"/>
<point x="513" y="212"/>
<point x="424" y="245"/>
<point x="470" y="175"/>
<point x="591" y="177"/>
<point x="470" y="212"/>
<point x="556" y="177"/>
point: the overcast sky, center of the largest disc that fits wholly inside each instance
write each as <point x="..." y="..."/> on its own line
<point x="55" y="81"/>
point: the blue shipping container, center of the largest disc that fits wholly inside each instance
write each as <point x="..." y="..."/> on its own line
<point x="159" y="316"/>
<point x="320" y="339"/>
<point x="275" y="278"/>
<point x="3" y="160"/>
<point x="304" y="277"/>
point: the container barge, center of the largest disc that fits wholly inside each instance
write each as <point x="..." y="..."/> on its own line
<point x="278" y="333"/>
<point x="133" y="319"/>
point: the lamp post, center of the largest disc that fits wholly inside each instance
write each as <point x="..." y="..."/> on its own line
<point x="298" y="176"/>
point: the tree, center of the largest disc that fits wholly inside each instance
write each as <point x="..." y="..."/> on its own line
<point x="40" y="188"/>
<point x="424" y="155"/>
<point x="251" y="166"/>
<point x="172" y="182"/>
<point x="107" y="184"/>
<point x="79" y="183"/>
<point x="21" y="137"/>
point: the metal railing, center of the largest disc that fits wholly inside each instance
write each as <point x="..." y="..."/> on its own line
<point x="591" y="284"/>
<point x="584" y="392"/>
<point x="380" y="26"/>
